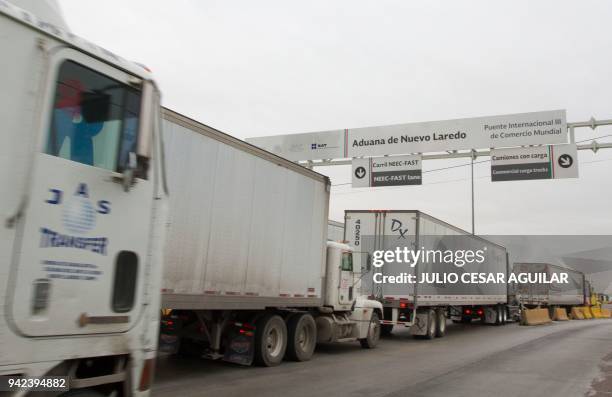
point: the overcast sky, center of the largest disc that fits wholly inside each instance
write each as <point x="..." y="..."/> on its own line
<point x="276" y="67"/>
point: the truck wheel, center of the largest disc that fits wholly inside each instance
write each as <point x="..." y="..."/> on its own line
<point x="498" y="315"/>
<point x="385" y="329"/>
<point x="431" y="325"/>
<point x="302" y="340"/>
<point x="270" y="340"/>
<point x="440" y="323"/>
<point x="373" y="333"/>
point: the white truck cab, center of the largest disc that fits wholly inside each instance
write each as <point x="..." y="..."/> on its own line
<point x="356" y="316"/>
<point x="82" y="209"/>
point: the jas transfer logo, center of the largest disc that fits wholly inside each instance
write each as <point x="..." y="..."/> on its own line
<point x="78" y="215"/>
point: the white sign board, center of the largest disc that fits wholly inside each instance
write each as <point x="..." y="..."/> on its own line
<point x="540" y="162"/>
<point x="387" y="171"/>
<point x="435" y="136"/>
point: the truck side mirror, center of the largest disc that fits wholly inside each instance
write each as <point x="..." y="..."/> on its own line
<point x="368" y="262"/>
<point x="148" y="118"/>
<point x="128" y="176"/>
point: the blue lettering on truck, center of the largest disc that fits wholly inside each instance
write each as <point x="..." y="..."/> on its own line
<point x="78" y="217"/>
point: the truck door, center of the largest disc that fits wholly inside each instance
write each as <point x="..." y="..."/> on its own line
<point x="81" y="251"/>
<point x="345" y="293"/>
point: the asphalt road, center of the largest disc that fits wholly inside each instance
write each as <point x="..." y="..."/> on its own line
<point x="564" y="359"/>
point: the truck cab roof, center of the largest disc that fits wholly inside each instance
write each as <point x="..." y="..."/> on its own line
<point x="46" y="26"/>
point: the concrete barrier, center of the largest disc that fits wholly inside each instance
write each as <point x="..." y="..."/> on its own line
<point x="596" y="312"/>
<point x="576" y="314"/>
<point x="586" y="311"/>
<point x="560" y="314"/>
<point x="535" y="317"/>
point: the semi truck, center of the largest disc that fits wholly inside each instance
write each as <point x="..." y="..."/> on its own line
<point x="249" y="276"/>
<point x="424" y="305"/>
<point x="83" y="209"/>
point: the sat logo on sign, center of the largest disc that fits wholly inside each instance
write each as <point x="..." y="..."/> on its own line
<point x="315" y="146"/>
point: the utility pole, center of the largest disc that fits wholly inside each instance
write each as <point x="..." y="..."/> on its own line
<point x="472" y="168"/>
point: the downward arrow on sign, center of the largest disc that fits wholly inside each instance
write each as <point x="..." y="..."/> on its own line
<point x="360" y="172"/>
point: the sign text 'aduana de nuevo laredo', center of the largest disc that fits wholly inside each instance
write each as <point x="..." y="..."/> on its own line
<point x="510" y="130"/>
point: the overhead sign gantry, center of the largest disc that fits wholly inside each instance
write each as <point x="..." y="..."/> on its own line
<point x="510" y="130"/>
<point x="448" y="139"/>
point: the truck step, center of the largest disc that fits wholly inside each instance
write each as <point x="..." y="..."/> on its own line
<point x="346" y="340"/>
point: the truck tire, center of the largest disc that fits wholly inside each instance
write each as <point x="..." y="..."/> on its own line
<point x="270" y="340"/>
<point x="431" y="325"/>
<point x="440" y="323"/>
<point x="498" y="315"/>
<point x="302" y="331"/>
<point x="373" y="333"/>
<point x="385" y="329"/>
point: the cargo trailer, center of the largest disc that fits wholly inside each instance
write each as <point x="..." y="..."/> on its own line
<point x="335" y="231"/>
<point x="424" y="305"/>
<point x="556" y="293"/>
<point x="248" y="272"/>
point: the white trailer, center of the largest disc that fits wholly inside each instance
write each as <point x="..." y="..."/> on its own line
<point x="573" y="291"/>
<point x="425" y="306"/>
<point x="335" y="230"/>
<point x="249" y="274"/>
<point x="82" y="210"/>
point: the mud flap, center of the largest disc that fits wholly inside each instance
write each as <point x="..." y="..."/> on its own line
<point x="240" y="346"/>
<point x="168" y="343"/>
<point x="490" y="315"/>
<point x="420" y="323"/>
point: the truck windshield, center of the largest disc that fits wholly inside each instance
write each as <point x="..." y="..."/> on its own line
<point x="94" y="120"/>
<point x="347" y="261"/>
